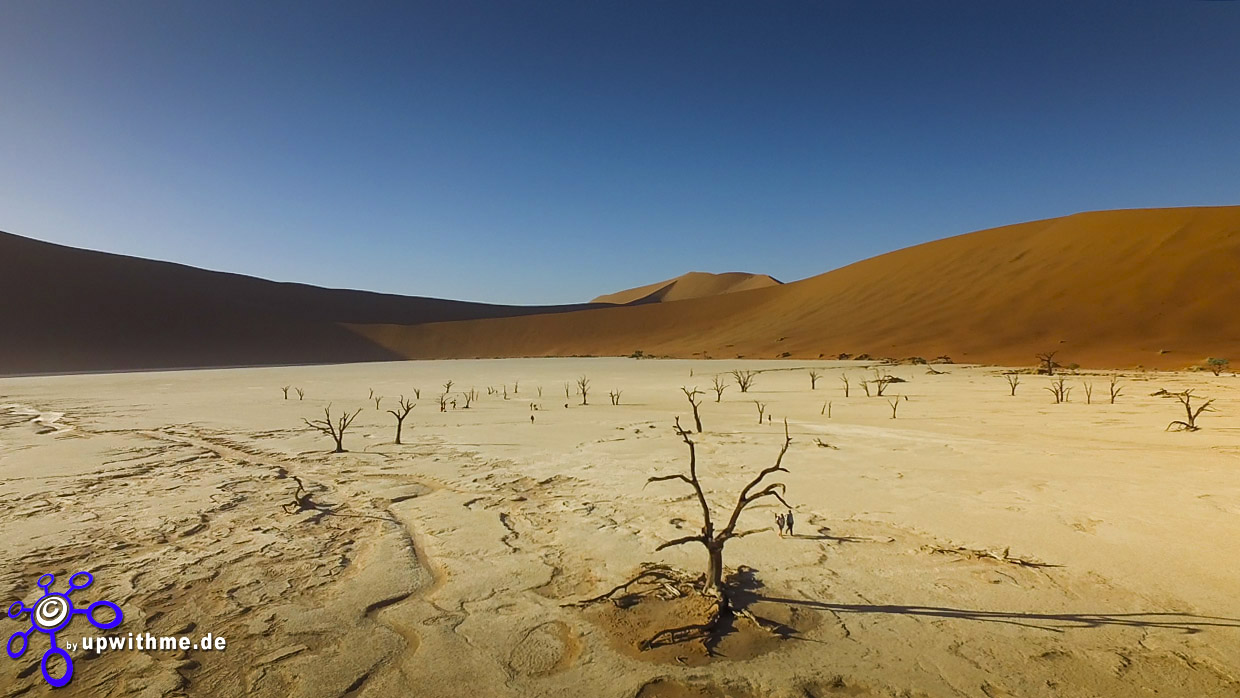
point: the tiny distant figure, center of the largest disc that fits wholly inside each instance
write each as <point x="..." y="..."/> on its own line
<point x="454" y="404"/>
<point x="566" y="405"/>
<point x="531" y="419"/>
<point x="779" y="521"/>
<point x="768" y="419"/>
<point x="788" y="521"/>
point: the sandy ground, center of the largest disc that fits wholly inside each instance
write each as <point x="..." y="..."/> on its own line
<point x="443" y="566"/>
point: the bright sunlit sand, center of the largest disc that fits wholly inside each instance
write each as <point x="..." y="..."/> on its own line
<point x="978" y="544"/>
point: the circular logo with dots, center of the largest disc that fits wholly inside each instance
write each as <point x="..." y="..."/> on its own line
<point x="51" y="614"/>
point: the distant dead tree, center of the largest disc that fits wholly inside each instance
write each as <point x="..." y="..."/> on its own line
<point x="469" y="397"/>
<point x="826" y="409"/>
<point x="1089" y="392"/>
<point x="718" y="386"/>
<point x="844" y="378"/>
<point x="1217" y="365"/>
<point x="443" y="402"/>
<point x="813" y="379"/>
<point x="1116" y="390"/>
<point x="334" y="428"/>
<point x="404" y="407"/>
<point x="516" y="387"/>
<point x="744" y="379"/>
<point x="882" y="380"/>
<point x="505" y="391"/>
<point x="285" y="389"/>
<point x="761" y="409"/>
<point x="447" y="387"/>
<point x="895" y="404"/>
<point x="568" y="391"/>
<point x="417" y="393"/>
<point x="866" y="386"/>
<point x="371" y="396"/>
<point x="695" y="403"/>
<point x="1013" y="380"/>
<point x="540" y="391"/>
<point x="1047" y="359"/>
<point x="583" y="385"/>
<point x="1189" y="423"/>
<point x="1059" y="390"/>
<point x="615" y="397"/>
<point x="714" y="541"/>
<point x="378" y="399"/>
<point x="301" y="394"/>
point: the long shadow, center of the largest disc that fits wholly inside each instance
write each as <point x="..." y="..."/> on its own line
<point x="1186" y="623"/>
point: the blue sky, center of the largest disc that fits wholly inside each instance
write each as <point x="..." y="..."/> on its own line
<point x="544" y="152"/>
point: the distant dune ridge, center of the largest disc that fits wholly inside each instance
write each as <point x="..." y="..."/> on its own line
<point x="695" y="284"/>
<point x="1152" y="287"/>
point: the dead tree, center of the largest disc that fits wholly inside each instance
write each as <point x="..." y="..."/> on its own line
<point x="516" y="387"/>
<point x="744" y="379"/>
<point x="583" y="384"/>
<point x="333" y="428"/>
<point x="378" y="399"/>
<point x="443" y="402"/>
<point x="1047" y="359"/>
<point x="895" y="404"/>
<point x="404" y="407"/>
<point x="1059" y="390"/>
<point x="447" y="387"/>
<point x="568" y="391"/>
<point x="1089" y="392"/>
<point x="285" y="389"/>
<point x="1189" y="423"/>
<point x="540" y="391"/>
<point x="718" y="386"/>
<point x="761" y="409"/>
<point x="813" y="379"/>
<point x="417" y="393"/>
<point x="826" y="409"/>
<point x="695" y="403"/>
<point x="1013" y="380"/>
<point x="844" y="378"/>
<point x="301" y="394"/>
<point x="469" y="397"/>
<point x="505" y="391"/>
<point x="866" y="386"/>
<point x="615" y="396"/>
<point x="714" y="541"/>
<point x="1116" y="390"/>
<point x="881" y="381"/>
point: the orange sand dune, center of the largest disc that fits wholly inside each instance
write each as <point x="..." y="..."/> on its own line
<point x="695" y="284"/>
<point x="1152" y="287"/>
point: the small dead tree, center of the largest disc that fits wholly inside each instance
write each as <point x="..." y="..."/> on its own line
<point x="744" y="379"/>
<point x="881" y="381"/>
<point x="417" y="393"/>
<point x="443" y="402"/>
<point x="1047" y="361"/>
<point x="540" y="391"/>
<point x="718" y="386"/>
<point x="285" y="389"/>
<point x="1013" y="380"/>
<point x="1059" y="390"/>
<point x="301" y="394"/>
<point x="826" y="409"/>
<point x="761" y="409"/>
<point x="1116" y="390"/>
<point x="334" y="428"/>
<point x="813" y="379"/>
<point x="713" y="540"/>
<point x="1089" y="392"/>
<point x="447" y="387"/>
<point x="615" y="396"/>
<point x="371" y="396"/>
<point x="695" y="403"/>
<point x="583" y="385"/>
<point x="844" y="379"/>
<point x="516" y="387"/>
<point x="895" y="404"/>
<point x="469" y="397"/>
<point x="404" y="407"/>
<point x="1189" y="423"/>
<point x="568" y="391"/>
<point x="378" y="399"/>
<point x="505" y="391"/>
<point x="866" y="386"/>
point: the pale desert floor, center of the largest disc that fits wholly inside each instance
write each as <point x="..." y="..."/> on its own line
<point x="445" y="564"/>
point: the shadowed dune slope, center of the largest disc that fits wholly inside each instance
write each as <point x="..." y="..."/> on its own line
<point x="695" y="284"/>
<point x="66" y="309"/>
<point x="1152" y="287"/>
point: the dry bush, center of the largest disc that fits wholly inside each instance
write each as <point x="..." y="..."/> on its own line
<point x="695" y="403"/>
<point x="334" y="428"/>
<point x="1189" y="423"/>
<point x="404" y="407"/>
<point x="744" y="379"/>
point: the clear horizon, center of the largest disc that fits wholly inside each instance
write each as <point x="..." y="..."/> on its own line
<point x="550" y="153"/>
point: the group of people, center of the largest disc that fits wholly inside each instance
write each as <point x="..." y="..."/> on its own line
<point x="784" y="523"/>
